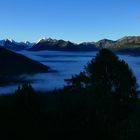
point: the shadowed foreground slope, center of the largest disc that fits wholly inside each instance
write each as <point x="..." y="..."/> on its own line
<point x="13" y="65"/>
<point x="16" y="64"/>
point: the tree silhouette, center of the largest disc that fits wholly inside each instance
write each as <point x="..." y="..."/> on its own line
<point x="25" y="97"/>
<point x="107" y="74"/>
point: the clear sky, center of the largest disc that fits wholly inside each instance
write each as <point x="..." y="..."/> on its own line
<point x="74" y="20"/>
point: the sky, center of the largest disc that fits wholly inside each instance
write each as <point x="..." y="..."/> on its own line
<point x="73" y="20"/>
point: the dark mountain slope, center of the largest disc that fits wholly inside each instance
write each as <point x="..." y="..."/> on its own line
<point x="17" y="64"/>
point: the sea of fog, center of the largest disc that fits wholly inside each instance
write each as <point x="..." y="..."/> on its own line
<point x="66" y="64"/>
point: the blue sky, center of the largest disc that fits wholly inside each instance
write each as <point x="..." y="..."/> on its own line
<point x="74" y="20"/>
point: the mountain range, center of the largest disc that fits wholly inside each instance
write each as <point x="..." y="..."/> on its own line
<point x="128" y="42"/>
<point x="16" y="46"/>
<point x="61" y="45"/>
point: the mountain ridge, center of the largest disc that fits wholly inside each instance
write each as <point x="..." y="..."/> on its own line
<point x="62" y="45"/>
<point x="16" y="46"/>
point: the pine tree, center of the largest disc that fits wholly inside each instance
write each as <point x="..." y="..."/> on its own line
<point x="107" y="74"/>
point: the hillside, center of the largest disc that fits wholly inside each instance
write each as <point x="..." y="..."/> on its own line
<point x="16" y="64"/>
<point x="13" y="65"/>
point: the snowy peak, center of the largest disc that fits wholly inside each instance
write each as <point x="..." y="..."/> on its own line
<point x="44" y="39"/>
<point x="61" y="45"/>
<point x="13" y="45"/>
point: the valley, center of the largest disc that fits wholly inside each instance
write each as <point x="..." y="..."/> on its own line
<point x="64" y="64"/>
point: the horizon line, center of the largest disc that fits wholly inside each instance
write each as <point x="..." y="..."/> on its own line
<point x="37" y="40"/>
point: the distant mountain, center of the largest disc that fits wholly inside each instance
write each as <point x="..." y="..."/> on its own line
<point x="105" y="43"/>
<point x="61" y="45"/>
<point x="17" y="46"/>
<point x="126" y="45"/>
<point x="123" y="43"/>
<point x="127" y="42"/>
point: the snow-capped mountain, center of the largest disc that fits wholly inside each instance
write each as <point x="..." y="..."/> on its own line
<point x="13" y="45"/>
<point x="44" y="39"/>
<point x="129" y="42"/>
<point x="62" y="45"/>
